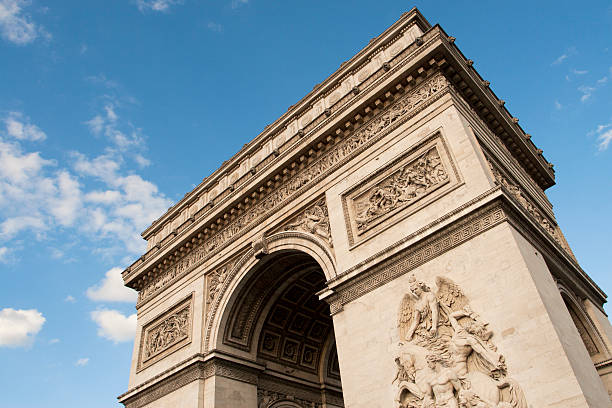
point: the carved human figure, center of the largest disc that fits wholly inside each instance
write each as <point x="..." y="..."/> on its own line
<point x="469" y="343"/>
<point x="419" y="309"/>
<point x="443" y="386"/>
<point x="408" y="394"/>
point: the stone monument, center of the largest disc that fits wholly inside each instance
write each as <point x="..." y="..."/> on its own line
<point x="387" y="242"/>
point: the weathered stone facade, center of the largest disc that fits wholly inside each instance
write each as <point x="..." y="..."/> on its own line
<point x="385" y="243"/>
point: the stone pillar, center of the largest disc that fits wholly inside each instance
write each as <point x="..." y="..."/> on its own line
<point x="496" y="304"/>
<point x="229" y="385"/>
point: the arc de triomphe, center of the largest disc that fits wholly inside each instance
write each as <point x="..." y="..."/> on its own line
<point x="387" y="242"/>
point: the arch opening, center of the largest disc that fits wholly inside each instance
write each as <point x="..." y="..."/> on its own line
<point x="277" y="319"/>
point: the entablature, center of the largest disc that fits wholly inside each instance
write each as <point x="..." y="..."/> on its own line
<point x="207" y="218"/>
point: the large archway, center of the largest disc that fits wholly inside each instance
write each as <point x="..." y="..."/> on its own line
<point x="276" y="319"/>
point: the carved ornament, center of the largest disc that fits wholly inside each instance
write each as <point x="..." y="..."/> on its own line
<point x="399" y="189"/>
<point x="313" y="220"/>
<point x="548" y="224"/>
<point x="446" y="354"/>
<point x="166" y="334"/>
<point x="271" y="399"/>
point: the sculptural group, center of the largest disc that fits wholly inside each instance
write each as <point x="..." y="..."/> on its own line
<point x="446" y="357"/>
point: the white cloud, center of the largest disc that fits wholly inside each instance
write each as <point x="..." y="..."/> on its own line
<point x="580" y="72"/>
<point x="54" y="341"/>
<point x="82" y="362"/>
<point x="142" y="161"/>
<point x="156" y="5"/>
<point x="12" y="226"/>
<point x="587" y="92"/>
<point x="115" y="326"/>
<point x="558" y="105"/>
<point x="66" y="205"/>
<point x="96" y="197"/>
<point x="19" y="327"/>
<point x="19" y="127"/>
<point x="4" y="251"/>
<point x="216" y="27"/>
<point x="602" y="81"/>
<point x="15" y="25"/>
<point x="56" y="253"/>
<point x="69" y="299"/>
<point x="604" y="136"/>
<point x="559" y="60"/>
<point x="106" y="124"/>
<point x="604" y="139"/>
<point x="238" y="3"/>
<point x="568" y="53"/>
<point x="17" y="166"/>
<point x="102" y="79"/>
<point x="104" y="197"/>
<point x="111" y="289"/>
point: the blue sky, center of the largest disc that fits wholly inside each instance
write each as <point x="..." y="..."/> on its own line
<point x="110" y="111"/>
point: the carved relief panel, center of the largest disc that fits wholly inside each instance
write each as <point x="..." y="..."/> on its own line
<point x="410" y="182"/>
<point x="447" y="357"/>
<point x="166" y="334"/>
<point x="314" y="219"/>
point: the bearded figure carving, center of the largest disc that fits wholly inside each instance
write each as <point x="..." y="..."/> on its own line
<point x="447" y="357"/>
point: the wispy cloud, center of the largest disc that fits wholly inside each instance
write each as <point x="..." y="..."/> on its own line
<point x="238" y="3"/>
<point x="100" y="78"/>
<point x="568" y="53"/>
<point x="156" y="5"/>
<point x="54" y="341"/>
<point x="16" y="26"/>
<point x="558" y="105"/>
<point x="81" y="362"/>
<point x="580" y="72"/>
<point x="69" y="299"/>
<point x="216" y="27"/>
<point x="587" y="92"/>
<point x="604" y="136"/>
<point x="4" y="252"/>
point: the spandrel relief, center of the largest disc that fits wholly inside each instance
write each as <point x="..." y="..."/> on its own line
<point x="446" y="354"/>
<point x="406" y="185"/>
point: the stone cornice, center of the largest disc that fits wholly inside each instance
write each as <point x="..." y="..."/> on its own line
<point x="333" y="151"/>
<point x="198" y="368"/>
<point x="492" y="110"/>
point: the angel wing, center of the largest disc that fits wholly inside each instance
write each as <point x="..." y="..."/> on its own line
<point x="450" y="295"/>
<point x="404" y="315"/>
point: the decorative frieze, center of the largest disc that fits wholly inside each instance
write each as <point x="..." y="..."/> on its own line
<point x="268" y="203"/>
<point x="166" y="334"/>
<point x="399" y="189"/>
<point x="548" y="224"/>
